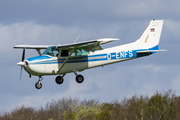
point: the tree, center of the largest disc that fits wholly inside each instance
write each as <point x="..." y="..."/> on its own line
<point x="161" y="107"/>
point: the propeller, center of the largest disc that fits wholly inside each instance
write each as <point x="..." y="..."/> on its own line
<point x="23" y="56"/>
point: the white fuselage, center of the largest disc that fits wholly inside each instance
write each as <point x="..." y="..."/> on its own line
<point x="48" y="65"/>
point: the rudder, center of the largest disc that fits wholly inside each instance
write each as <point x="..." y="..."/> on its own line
<point x="151" y="36"/>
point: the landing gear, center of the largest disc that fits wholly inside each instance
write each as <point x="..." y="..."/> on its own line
<point x="79" y="78"/>
<point x="59" y="80"/>
<point x="38" y="84"/>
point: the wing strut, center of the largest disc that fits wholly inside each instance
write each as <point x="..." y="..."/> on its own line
<point x="66" y="60"/>
<point x="38" y="50"/>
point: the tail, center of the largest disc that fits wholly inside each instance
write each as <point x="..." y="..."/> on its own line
<point x="151" y="36"/>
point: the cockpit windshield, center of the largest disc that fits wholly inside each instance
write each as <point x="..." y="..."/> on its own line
<point x="52" y="51"/>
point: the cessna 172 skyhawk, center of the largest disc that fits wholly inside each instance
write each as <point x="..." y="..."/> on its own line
<point x="63" y="59"/>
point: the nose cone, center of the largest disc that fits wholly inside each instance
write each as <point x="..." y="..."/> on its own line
<point x="21" y="63"/>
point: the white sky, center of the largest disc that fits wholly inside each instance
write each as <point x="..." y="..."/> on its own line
<point x="59" y="22"/>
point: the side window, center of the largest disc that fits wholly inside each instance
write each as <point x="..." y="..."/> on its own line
<point x="79" y="52"/>
<point x="73" y="54"/>
<point x="82" y="52"/>
<point x="64" y="53"/>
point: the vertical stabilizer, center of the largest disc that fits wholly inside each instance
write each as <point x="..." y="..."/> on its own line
<point x="151" y="36"/>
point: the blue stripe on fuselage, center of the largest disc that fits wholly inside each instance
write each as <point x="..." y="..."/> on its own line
<point x="38" y="58"/>
<point x="100" y="57"/>
<point x="155" y="48"/>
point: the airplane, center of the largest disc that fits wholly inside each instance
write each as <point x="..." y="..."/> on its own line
<point x="76" y="57"/>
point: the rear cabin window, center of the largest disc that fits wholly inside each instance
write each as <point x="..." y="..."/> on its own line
<point x="82" y="52"/>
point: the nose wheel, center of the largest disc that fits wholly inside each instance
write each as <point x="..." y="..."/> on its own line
<point x="38" y="84"/>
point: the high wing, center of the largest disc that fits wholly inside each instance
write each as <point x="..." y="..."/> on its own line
<point x="32" y="46"/>
<point x="36" y="47"/>
<point x="92" y="45"/>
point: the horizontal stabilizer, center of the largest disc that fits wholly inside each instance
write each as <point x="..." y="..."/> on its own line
<point x="149" y="51"/>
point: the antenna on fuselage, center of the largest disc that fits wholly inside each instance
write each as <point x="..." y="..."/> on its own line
<point x="76" y="39"/>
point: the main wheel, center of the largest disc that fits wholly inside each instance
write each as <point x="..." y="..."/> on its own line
<point x="79" y="78"/>
<point x="38" y="85"/>
<point x="59" y="80"/>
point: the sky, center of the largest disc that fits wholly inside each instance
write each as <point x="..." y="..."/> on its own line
<point x="53" y="22"/>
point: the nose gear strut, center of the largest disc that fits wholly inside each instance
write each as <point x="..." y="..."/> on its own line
<point x="38" y="84"/>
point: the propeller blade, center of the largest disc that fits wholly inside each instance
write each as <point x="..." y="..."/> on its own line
<point x="23" y="55"/>
<point x="21" y="73"/>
